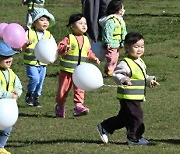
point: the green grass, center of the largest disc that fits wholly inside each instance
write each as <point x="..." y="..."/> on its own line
<point x="38" y="131"/>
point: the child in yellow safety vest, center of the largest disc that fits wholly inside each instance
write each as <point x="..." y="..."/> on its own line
<point x="73" y="50"/>
<point x="10" y="86"/>
<point x="131" y="78"/>
<point x="35" y="69"/>
<point x="113" y="34"/>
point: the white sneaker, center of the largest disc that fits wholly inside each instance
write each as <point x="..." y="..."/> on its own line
<point x="103" y="133"/>
<point x="141" y="141"/>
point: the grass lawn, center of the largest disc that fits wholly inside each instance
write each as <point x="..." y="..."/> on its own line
<point x="37" y="130"/>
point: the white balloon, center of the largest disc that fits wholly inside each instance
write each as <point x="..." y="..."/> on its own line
<point x="87" y="77"/>
<point x="46" y="51"/>
<point x="8" y="113"/>
<point x="98" y="50"/>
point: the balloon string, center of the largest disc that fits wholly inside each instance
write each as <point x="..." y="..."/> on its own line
<point x="114" y="86"/>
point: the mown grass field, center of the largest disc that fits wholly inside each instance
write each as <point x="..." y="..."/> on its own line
<point x="37" y="130"/>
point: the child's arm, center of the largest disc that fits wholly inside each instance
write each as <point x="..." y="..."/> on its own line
<point x="92" y="56"/>
<point x="151" y="81"/>
<point x="121" y="74"/>
<point x="17" y="87"/>
<point x="63" y="46"/>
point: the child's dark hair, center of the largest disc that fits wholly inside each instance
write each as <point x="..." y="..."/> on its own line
<point x="132" y="37"/>
<point x="114" y="6"/>
<point x="74" y="17"/>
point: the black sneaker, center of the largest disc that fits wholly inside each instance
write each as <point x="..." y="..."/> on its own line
<point x="103" y="133"/>
<point x="29" y="99"/>
<point x="36" y="103"/>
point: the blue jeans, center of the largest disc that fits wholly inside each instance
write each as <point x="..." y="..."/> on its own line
<point x="36" y="75"/>
<point x="4" y="135"/>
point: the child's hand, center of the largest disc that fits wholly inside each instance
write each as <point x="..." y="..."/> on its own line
<point x="15" y="95"/>
<point x="67" y="48"/>
<point x="26" y="44"/>
<point x="97" y="60"/>
<point x="154" y="83"/>
<point x="128" y="82"/>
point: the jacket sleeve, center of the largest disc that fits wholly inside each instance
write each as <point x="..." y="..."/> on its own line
<point x="61" y="46"/>
<point x="121" y="73"/>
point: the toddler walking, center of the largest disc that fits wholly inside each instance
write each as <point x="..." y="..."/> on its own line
<point x="73" y="50"/>
<point x="113" y="34"/>
<point x="132" y="79"/>
<point x="35" y="69"/>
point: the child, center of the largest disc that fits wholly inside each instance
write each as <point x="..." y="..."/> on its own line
<point x="113" y="34"/>
<point x="73" y="50"/>
<point x="10" y="86"/>
<point x="35" y="69"/>
<point x="32" y="5"/>
<point x="131" y="77"/>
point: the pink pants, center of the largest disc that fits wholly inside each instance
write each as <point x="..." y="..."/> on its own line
<point x="112" y="56"/>
<point x="65" y="84"/>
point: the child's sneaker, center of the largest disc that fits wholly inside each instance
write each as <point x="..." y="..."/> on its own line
<point x="36" y="103"/>
<point x="60" y="112"/>
<point x="4" y="151"/>
<point x="29" y="99"/>
<point x="103" y="133"/>
<point x="110" y="73"/>
<point x="141" y="141"/>
<point x="80" y="110"/>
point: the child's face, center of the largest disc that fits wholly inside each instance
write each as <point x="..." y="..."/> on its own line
<point x="136" y="50"/>
<point x="80" y="26"/>
<point x="121" y="11"/>
<point x="5" y="62"/>
<point x="42" y="23"/>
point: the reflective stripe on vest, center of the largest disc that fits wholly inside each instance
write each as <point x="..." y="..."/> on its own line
<point x="75" y="56"/>
<point x="33" y="6"/>
<point x="137" y="90"/>
<point x="29" y="56"/>
<point x="3" y="82"/>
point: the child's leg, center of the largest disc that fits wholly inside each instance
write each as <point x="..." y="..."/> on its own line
<point x="42" y="74"/>
<point x="134" y="119"/>
<point x="80" y="109"/>
<point x="65" y="84"/>
<point x="112" y="56"/>
<point x="114" y="123"/>
<point x="4" y="135"/>
<point x="33" y="75"/>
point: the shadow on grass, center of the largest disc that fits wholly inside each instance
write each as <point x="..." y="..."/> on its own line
<point x="35" y="115"/>
<point x="171" y="141"/>
<point x="17" y="143"/>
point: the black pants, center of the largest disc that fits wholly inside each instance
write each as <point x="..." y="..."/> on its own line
<point x="93" y="10"/>
<point x="129" y="116"/>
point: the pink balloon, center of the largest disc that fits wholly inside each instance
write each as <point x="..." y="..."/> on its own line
<point x="14" y="35"/>
<point x="2" y="26"/>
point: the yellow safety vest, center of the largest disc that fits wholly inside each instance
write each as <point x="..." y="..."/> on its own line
<point x="137" y="90"/>
<point x="75" y="56"/>
<point x="29" y="56"/>
<point x="118" y="31"/>
<point x="7" y="86"/>
<point x="33" y="5"/>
